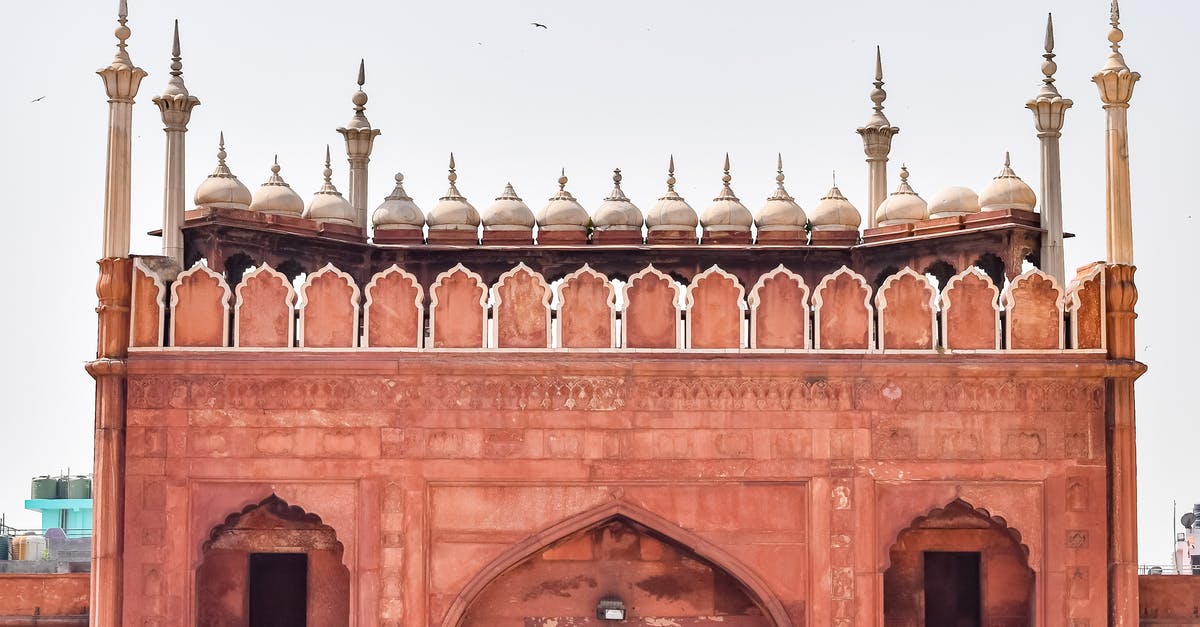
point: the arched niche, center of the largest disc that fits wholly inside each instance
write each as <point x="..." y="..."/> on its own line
<point x="246" y="558"/>
<point x="615" y="550"/>
<point x="958" y="565"/>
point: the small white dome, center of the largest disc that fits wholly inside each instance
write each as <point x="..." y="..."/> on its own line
<point x="671" y="212"/>
<point x="1007" y="191"/>
<point x="726" y="213"/>
<point x="453" y="212"/>
<point x="398" y="210"/>
<point x="953" y="201"/>
<point x="276" y="196"/>
<point x="328" y="205"/>
<point x="221" y="189"/>
<point x="903" y="206"/>
<point x="563" y="212"/>
<point x="781" y="212"/>
<point x="617" y="212"/>
<point x="509" y="212"/>
<point x="834" y="213"/>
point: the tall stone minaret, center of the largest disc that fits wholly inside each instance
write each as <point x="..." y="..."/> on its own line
<point x="359" y="139"/>
<point x="1116" y="82"/>
<point x="176" y="106"/>
<point x="877" y="143"/>
<point x="1049" y="109"/>
<point x="121" y="80"/>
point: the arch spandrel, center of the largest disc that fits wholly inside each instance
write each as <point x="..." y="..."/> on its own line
<point x="754" y="586"/>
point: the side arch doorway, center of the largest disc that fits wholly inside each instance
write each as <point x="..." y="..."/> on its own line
<point x="272" y="564"/>
<point x="617" y="558"/>
<point x="958" y="566"/>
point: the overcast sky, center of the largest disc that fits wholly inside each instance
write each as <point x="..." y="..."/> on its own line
<point x="608" y="84"/>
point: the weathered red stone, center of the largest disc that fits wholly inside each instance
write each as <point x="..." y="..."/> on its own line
<point x="392" y="315"/>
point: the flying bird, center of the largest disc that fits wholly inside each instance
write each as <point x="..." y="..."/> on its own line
<point x="539" y="25"/>
<point x="39" y="99"/>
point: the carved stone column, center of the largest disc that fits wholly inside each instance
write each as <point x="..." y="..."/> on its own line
<point x="176" y="106"/>
<point x="1049" y="108"/>
<point x="121" y="80"/>
<point x="877" y="143"/>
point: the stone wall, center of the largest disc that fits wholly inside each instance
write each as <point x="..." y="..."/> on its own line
<point x="48" y="595"/>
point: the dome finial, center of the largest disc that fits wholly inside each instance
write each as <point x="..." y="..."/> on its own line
<point x="275" y="166"/>
<point x="726" y="178"/>
<point x="562" y="180"/>
<point x="328" y="167"/>
<point x="779" y="169"/>
<point x="221" y="154"/>
<point x="452" y="176"/>
<point x="1007" y="159"/>
<point x="835" y="178"/>
<point x="617" y="177"/>
<point x="362" y="72"/>
<point x="360" y="97"/>
<point x="671" y="174"/>
<point x="904" y="173"/>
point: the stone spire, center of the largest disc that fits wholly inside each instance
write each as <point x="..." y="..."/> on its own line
<point x="1049" y="108"/>
<point x="121" y="81"/>
<point x="175" y="104"/>
<point x="877" y="143"/>
<point x="1115" y="81"/>
<point x="726" y="219"/>
<point x="360" y="138"/>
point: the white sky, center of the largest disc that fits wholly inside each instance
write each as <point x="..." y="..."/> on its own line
<point x="616" y="83"/>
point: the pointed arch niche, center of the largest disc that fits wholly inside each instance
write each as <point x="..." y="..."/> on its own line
<point x="280" y="537"/>
<point x="663" y="574"/>
<point x="956" y="551"/>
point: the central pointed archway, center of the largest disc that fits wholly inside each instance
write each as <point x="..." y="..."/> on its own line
<point x="657" y="569"/>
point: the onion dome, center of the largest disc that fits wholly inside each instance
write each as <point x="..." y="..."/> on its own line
<point x="398" y="210"/>
<point x="617" y="212"/>
<point x="276" y="196"/>
<point x="453" y="212"/>
<point x="508" y="213"/>
<point x="671" y="212"/>
<point x="781" y="212"/>
<point x="222" y="190"/>
<point x="1007" y="191"/>
<point x="328" y="205"/>
<point x="903" y="206"/>
<point x="563" y="212"/>
<point x="726" y="213"/>
<point x="834" y="213"/>
<point x="953" y="201"/>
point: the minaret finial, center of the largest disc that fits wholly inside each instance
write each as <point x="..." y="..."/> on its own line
<point x="175" y="86"/>
<point x="878" y="95"/>
<point x="671" y="174"/>
<point x="1049" y="67"/>
<point x="328" y="167"/>
<point x="122" y="32"/>
<point x="176" y="58"/>
<point x="1116" y="60"/>
<point x="360" y="97"/>
<point x="362" y="72"/>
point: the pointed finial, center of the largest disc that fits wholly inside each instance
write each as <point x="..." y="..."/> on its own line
<point x="617" y="177"/>
<point x="176" y="58"/>
<point x="1115" y="35"/>
<point x="562" y="180"/>
<point x="1007" y="159"/>
<point x="1114" y="14"/>
<point x="328" y="169"/>
<point x="221" y="150"/>
<point x="835" y="178"/>
<point x="1049" y="32"/>
<point x="878" y="95"/>
<point x="122" y="32"/>
<point x="453" y="176"/>
<point x="903" y="172"/>
<point x="671" y="175"/>
<point x="779" y="170"/>
<point x="275" y="166"/>
<point x="1049" y="67"/>
<point x="362" y="72"/>
<point x="360" y="97"/>
<point x="726" y="178"/>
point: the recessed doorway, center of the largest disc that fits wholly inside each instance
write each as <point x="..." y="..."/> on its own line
<point x="278" y="589"/>
<point x="953" y="596"/>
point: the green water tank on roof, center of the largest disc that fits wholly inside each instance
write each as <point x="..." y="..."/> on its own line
<point x="44" y="487"/>
<point x="79" y="487"/>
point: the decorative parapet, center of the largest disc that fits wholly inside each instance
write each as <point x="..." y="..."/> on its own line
<point x="710" y="311"/>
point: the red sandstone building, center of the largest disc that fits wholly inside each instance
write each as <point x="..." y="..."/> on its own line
<point x="772" y="420"/>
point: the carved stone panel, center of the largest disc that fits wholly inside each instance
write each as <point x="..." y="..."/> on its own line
<point x="906" y="312"/>
<point x="971" y="312"/>
<point x="522" y="309"/>
<point x="199" y="308"/>
<point x="458" y="301"/>
<point x="263" y="314"/>
<point x="1034" y="305"/>
<point x="329" y="318"/>
<point x="843" y="311"/>
<point x="779" y="311"/>
<point x="651" y="317"/>
<point x="147" y="305"/>
<point x="586" y="315"/>
<point x="393" y="310"/>
<point x="714" y="301"/>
